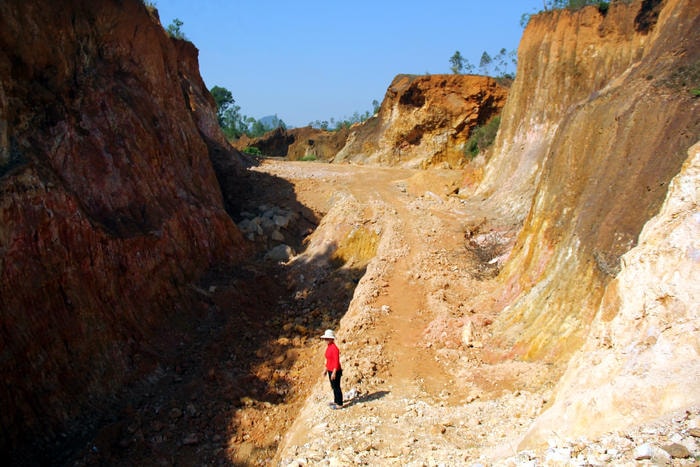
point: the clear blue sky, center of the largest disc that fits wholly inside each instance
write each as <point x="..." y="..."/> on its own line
<point x="313" y="60"/>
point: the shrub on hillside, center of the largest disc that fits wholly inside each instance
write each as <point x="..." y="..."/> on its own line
<point x="252" y="150"/>
<point x="482" y="137"/>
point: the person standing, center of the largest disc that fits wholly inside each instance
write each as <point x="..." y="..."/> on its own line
<point x="335" y="372"/>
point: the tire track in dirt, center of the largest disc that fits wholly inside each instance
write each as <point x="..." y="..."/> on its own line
<point x="412" y="366"/>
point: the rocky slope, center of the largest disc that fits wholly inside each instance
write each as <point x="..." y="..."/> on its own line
<point x="424" y="121"/>
<point x="109" y="205"/>
<point x="533" y="318"/>
<point x="640" y="359"/>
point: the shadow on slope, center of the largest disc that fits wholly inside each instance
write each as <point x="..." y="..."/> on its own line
<point x="225" y="388"/>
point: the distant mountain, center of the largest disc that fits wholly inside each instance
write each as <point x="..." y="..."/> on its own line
<point x="272" y="122"/>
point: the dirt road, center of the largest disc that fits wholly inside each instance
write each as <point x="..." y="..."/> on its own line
<point x="403" y="271"/>
<point x="412" y="333"/>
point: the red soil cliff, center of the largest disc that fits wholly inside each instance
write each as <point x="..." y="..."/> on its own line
<point x="109" y="205"/>
<point x="425" y="121"/>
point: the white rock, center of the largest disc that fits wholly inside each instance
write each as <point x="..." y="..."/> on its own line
<point x="597" y="460"/>
<point x="562" y="455"/>
<point x="644" y="451"/>
<point x="282" y="221"/>
<point x="468" y="334"/>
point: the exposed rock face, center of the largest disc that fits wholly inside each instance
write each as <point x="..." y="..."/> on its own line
<point x="603" y="165"/>
<point x="641" y="358"/>
<point x="599" y="121"/>
<point x="229" y="164"/>
<point x="109" y="206"/>
<point x="564" y="59"/>
<point x="298" y="143"/>
<point x="425" y="121"/>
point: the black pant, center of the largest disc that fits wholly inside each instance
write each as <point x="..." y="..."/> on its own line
<point x="335" y="384"/>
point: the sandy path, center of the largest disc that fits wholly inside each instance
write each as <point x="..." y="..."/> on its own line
<point x="429" y="224"/>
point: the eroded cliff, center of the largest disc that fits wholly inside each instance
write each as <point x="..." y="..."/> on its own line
<point x="602" y="166"/>
<point x="110" y="208"/>
<point x="425" y="121"/>
<point x="109" y="205"/>
<point x="600" y="120"/>
<point x="640" y="358"/>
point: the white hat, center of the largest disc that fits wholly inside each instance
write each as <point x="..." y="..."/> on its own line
<point x="328" y="335"/>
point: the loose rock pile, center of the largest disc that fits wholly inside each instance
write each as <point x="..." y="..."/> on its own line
<point x="421" y="433"/>
<point x="672" y="441"/>
<point x="268" y="227"/>
<point x="268" y="224"/>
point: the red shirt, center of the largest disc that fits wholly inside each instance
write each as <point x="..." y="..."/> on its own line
<point x="332" y="357"/>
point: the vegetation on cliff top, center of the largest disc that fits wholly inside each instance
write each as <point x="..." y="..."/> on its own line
<point x="346" y="122"/>
<point x="603" y="6"/>
<point x="498" y="65"/>
<point x="174" y="29"/>
<point x="575" y="4"/>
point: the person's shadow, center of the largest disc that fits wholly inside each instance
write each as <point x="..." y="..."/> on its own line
<point x="362" y="398"/>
